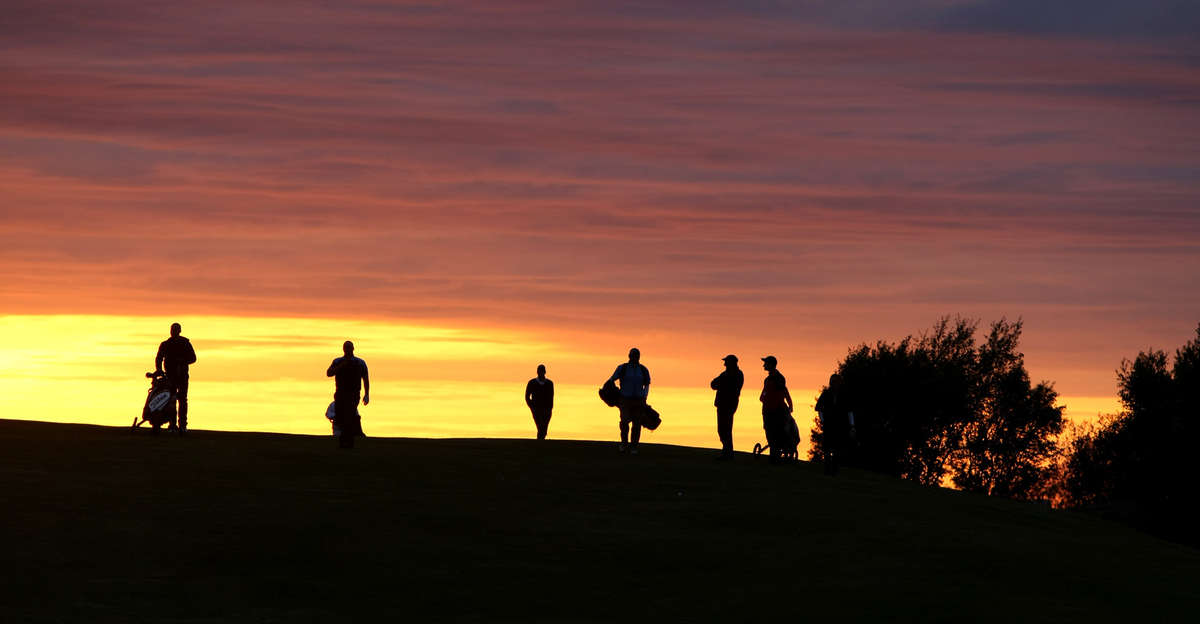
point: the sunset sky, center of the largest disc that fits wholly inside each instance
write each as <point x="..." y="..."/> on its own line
<point x="466" y="189"/>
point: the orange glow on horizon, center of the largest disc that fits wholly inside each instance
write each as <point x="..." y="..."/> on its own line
<point x="267" y="374"/>
<point x="484" y="193"/>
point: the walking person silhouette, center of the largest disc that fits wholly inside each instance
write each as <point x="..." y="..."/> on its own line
<point x="729" y="389"/>
<point x="539" y="396"/>
<point x="174" y="356"/>
<point x="347" y="372"/>
<point x="634" y="381"/>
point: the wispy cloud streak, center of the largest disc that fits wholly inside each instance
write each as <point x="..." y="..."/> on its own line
<point x="832" y="171"/>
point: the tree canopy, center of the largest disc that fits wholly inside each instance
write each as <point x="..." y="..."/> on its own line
<point x="1138" y="463"/>
<point x="940" y="406"/>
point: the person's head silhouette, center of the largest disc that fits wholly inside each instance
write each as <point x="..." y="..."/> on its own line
<point x="769" y="363"/>
<point x="730" y="361"/>
<point x="541" y="370"/>
<point x="175" y="329"/>
<point x="635" y="355"/>
<point x="835" y="381"/>
<point x="348" y="348"/>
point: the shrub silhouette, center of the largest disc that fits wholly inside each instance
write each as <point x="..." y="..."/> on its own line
<point x="938" y="406"/>
<point x="1137" y="464"/>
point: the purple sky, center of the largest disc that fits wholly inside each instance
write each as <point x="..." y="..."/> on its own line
<point x="809" y="174"/>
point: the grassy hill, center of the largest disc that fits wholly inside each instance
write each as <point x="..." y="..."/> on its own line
<point x="101" y="524"/>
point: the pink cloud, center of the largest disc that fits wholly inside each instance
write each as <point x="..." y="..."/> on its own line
<point x="527" y="165"/>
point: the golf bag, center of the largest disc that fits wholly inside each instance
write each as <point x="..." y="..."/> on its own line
<point x="160" y="402"/>
<point x="331" y="415"/>
<point x="610" y="394"/>
<point x="650" y="418"/>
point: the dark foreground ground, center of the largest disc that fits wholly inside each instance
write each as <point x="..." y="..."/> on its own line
<point x="103" y="525"/>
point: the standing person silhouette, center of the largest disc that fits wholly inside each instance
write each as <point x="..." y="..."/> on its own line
<point x="729" y="389"/>
<point x="347" y="371"/>
<point x="174" y="356"/>
<point x="837" y="424"/>
<point x="776" y="407"/>
<point x="634" y="382"/>
<point x="539" y="396"/>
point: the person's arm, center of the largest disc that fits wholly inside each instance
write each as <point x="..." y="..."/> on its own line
<point x="366" y="379"/>
<point x="529" y="394"/>
<point x="646" y="385"/>
<point x="191" y="353"/>
<point x="158" y="359"/>
<point x="787" y="397"/>
<point x="616" y="374"/>
<point x="549" y="394"/>
<point x="333" y="368"/>
<point x="716" y="382"/>
<point x="366" y="385"/>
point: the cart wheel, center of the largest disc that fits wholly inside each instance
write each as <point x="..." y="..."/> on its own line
<point x="759" y="448"/>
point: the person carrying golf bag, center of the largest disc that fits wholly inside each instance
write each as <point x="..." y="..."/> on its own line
<point x="634" y="381"/>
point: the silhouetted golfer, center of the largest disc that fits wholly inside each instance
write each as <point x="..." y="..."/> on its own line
<point x="347" y="371"/>
<point x="776" y="408"/>
<point x="539" y="396"/>
<point x="837" y="424"/>
<point x="729" y="389"/>
<point x="634" y="382"/>
<point x="174" y="356"/>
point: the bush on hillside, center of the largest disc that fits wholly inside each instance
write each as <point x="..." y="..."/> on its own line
<point x="938" y="406"/>
<point x="1138" y="464"/>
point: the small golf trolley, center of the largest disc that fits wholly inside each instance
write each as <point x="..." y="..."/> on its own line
<point x="159" y="409"/>
<point x="789" y="444"/>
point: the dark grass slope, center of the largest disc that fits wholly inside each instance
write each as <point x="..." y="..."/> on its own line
<point x="103" y="525"/>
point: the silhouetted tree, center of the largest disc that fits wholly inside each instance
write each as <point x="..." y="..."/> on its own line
<point x="1010" y="443"/>
<point x="937" y="405"/>
<point x="1138" y="464"/>
<point x="910" y="402"/>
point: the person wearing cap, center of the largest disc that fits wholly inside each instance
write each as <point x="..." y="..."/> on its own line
<point x="776" y="406"/>
<point x="729" y="389"/>
<point x="539" y="396"/>
<point x="347" y="372"/>
<point x="174" y="356"/>
<point x="633" y="379"/>
<point x="837" y="424"/>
